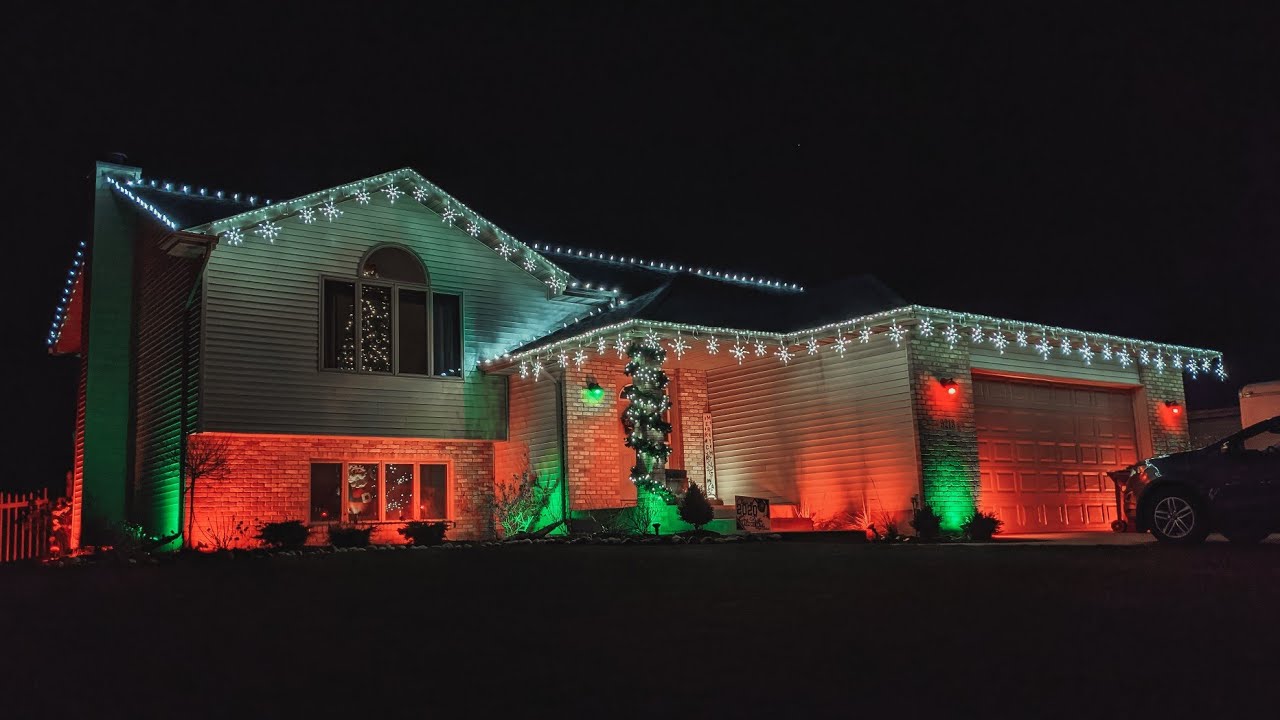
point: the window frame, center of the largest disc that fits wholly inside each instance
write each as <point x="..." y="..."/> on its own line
<point x="415" y="461"/>
<point x="395" y="287"/>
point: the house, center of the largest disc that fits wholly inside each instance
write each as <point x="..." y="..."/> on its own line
<point x="379" y="352"/>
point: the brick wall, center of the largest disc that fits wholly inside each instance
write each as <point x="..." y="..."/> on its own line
<point x="269" y="476"/>
<point x="691" y="403"/>
<point x="598" y="462"/>
<point x="1168" y="429"/>
<point x="945" y="430"/>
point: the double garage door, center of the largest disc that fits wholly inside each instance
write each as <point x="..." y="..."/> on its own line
<point x="1044" y="450"/>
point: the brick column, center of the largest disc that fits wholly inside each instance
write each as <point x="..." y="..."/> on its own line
<point x="1168" y="430"/>
<point x="691" y="386"/>
<point x="946" y="434"/>
<point x="594" y="467"/>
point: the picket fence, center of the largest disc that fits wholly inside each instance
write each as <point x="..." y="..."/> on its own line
<point x="23" y="535"/>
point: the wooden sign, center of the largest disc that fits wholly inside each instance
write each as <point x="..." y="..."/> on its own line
<point x="753" y="513"/>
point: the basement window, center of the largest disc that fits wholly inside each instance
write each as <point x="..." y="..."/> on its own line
<point x="367" y="491"/>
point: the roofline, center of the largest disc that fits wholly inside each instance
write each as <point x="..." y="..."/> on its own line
<point x="913" y="317"/>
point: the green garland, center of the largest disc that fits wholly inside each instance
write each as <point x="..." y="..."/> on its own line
<point x="647" y="401"/>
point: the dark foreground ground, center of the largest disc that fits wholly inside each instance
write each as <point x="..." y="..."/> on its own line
<point x="781" y="629"/>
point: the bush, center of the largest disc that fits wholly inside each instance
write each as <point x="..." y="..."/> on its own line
<point x="289" y="535"/>
<point x="981" y="526"/>
<point x="694" y="508"/>
<point x="927" y="522"/>
<point x="422" y="532"/>
<point x="349" y="536"/>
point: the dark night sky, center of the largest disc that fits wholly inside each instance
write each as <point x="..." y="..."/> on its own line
<point x="1114" y="170"/>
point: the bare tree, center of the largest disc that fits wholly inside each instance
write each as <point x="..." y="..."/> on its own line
<point x="206" y="458"/>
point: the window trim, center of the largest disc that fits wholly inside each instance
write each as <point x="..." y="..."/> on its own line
<point x="416" y="462"/>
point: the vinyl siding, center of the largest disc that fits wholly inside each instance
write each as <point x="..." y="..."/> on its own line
<point x="830" y="434"/>
<point x="1026" y="363"/>
<point x="534" y="430"/>
<point x="262" y="329"/>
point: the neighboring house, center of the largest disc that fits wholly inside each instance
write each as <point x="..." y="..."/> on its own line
<point x="379" y="352"/>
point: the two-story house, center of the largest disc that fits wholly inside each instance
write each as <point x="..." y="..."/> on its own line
<point x="380" y="352"/>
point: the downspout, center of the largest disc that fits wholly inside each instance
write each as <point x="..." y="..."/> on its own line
<point x="564" y="452"/>
<point x="186" y="393"/>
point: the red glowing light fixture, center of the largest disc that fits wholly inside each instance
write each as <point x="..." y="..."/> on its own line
<point x="949" y="385"/>
<point x="1174" y="406"/>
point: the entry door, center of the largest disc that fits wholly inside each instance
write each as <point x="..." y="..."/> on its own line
<point x="1044" y="450"/>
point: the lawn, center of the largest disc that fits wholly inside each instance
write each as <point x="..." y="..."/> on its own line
<point x="780" y="629"/>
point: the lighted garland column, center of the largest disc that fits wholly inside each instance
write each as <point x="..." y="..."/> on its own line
<point x="646" y="430"/>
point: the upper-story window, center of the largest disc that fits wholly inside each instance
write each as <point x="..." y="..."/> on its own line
<point x="400" y="326"/>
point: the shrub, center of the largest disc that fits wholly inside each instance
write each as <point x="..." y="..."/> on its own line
<point x="981" y="526"/>
<point x="519" y="504"/>
<point x="289" y="535"/>
<point x="422" y="532"/>
<point x="349" y="536"/>
<point x="927" y="522"/>
<point x="694" y="508"/>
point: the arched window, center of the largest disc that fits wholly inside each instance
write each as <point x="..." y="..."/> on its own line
<point x="400" y="327"/>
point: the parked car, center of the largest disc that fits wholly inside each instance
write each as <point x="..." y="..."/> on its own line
<point x="1230" y="486"/>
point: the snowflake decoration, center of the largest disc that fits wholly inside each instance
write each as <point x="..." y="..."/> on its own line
<point x="580" y="358"/>
<point x="841" y="343"/>
<point x="1176" y="361"/>
<point x="784" y="355"/>
<point x="1123" y="356"/>
<point x="762" y="349"/>
<point x="307" y="215"/>
<point x="234" y="236"/>
<point x="1144" y="357"/>
<point x="1106" y="351"/>
<point x="679" y="346"/>
<point x="449" y="215"/>
<point x="393" y="193"/>
<point x="1086" y="352"/>
<point x="602" y="345"/>
<point x="536" y="370"/>
<point x="1042" y="347"/>
<point x="738" y="351"/>
<point x="1064" y="343"/>
<point x="621" y="346"/>
<point x="651" y="339"/>
<point x="419" y="193"/>
<point x="925" y="328"/>
<point x="563" y="358"/>
<point x="1021" y="338"/>
<point x="951" y="334"/>
<point x="999" y="340"/>
<point x="330" y="211"/>
<point x="556" y="283"/>
<point x="864" y="335"/>
<point x="505" y="250"/>
<point x="713" y="345"/>
<point x="1158" y="361"/>
<point x="1193" y="368"/>
<point x="529" y="263"/>
<point x="473" y="228"/>
<point x="362" y="196"/>
<point x="811" y="347"/>
<point x="1220" y="370"/>
<point x="524" y="370"/>
<point x="1204" y="364"/>
<point x="269" y="230"/>
<point x="976" y="335"/>
<point x="897" y="333"/>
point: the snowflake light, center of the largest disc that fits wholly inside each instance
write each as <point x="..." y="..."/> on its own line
<point x="621" y="346"/>
<point x="897" y="333"/>
<point x="556" y="283"/>
<point x="362" y="196"/>
<point x="529" y="263"/>
<point x="999" y="340"/>
<point x="841" y="343"/>
<point x="811" y="347"/>
<point x="234" y="236"/>
<point x="307" y="215"/>
<point x="738" y="351"/>
<point x="505" y="250"/>
<point x="784" y="355"/>
<point x="713" y="345"/>
<point x="449" y="215"/>
<point x="1193" y="368"/>
<point x="1106" y="351"/>
<point x="762" y="349"/>
<point x="1021" y="338"/>
<point x="976" y="335"/>
<point x="651" y="339"/>
<point x="1176" y="361"/>
<point x="473" y="228"/>
<point x="925" y="327"/>
<point x="1220" y="369"/>
<point x="951" y="334"/>
<point x="1086" y="352"/>
<point x="580" y="358"/>
<point x="420" y="193"/>
<point x="563" y="358"/>
<point x="864" y="335"/>
<point x="269" y="230"/>
<point x="1123" y="356"/>
<point x="602" y="345"/>
<point x="1204" y="364"/>
<point x="330" y="211"/>
<point x="393" y="193"/>
<point x="679" y="346"/>
<point x="1042" y="347"/>
<point x="1144" y="357"/>
<point x="1158" y="361"/>
<point x="1064" y="344"/>
<point x="524" y="369"/>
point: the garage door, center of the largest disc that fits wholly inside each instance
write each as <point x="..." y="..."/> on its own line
<point x="1044" y="450"/>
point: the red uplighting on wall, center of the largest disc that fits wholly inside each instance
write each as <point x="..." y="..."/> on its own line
<point x="950" y="386"/>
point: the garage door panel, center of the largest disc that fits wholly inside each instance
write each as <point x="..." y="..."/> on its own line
<point x="1044" y="450"/>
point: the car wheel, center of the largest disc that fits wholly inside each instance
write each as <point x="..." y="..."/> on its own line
<point x="1246" y="536"/>
<point x="1176" y="517"/>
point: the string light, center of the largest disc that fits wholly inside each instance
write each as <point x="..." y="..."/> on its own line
<point x="784" y="355"/>
<point x="330" y="211"/>
<point x="713" y="346"/>
<point x="1021" y="338"/>
<point x="621" y="346"/>
<point x="811" y="347"/>
<point x="579" y="358"/>
<point x="393" y="193"/>
<point x="951" y="334"/>
<point x="601" y="345"/>
<point x="897" y="333"/>
<point x="667" y="267"/>
<point x="999" y="340"/>
<point x="1123" y="356"/>
<point x="1064" y="344"/>
<point x="362" y="196"/>
<point x="234" y="236"/>
<point x="268" y="230"/>
<point x="307" y="215"/>
<point x="420" y="193"/>
<point x="762" y="348"/>
<point x="1042" y="347"/>
<point x="155" y="211"/>
<point x="864" y="335"/>
<point x="976" y="334"/>
<point x="738" y="351"/>
<point x="841" y="343"/>
<point x="1106" y="352"/>
<point x="1144" y="357"/>
<point x="925" y="327"/>
<point x="679" y="346"/>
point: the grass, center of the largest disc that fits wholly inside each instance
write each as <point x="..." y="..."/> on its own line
<point x="787" y="629"/>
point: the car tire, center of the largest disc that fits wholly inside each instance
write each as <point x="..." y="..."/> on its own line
<point x="1177" y="517"/>
<point x="1246" y="536"/>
